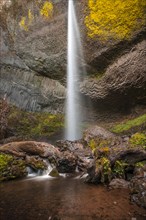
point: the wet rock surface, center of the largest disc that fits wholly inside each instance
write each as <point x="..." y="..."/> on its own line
<point x="37" y="156"/>
<point x="109" y="159"/>
<point x="37" y="60"/>
<point x="138" y="190"/>
<point x="78" y="148"/>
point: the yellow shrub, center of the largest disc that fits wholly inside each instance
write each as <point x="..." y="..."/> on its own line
<point x="114" y="18"/>
<point x="30" y="16"/>
<point x="22" y="24"/>
<point x="47" y="9"/>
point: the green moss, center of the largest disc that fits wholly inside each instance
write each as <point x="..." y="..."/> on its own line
<point x="125" y="126"/>
<point x="138" y="139"/>
<point x="32" y="124"/>
<point x="11" y="167"/>
<point x="40" y="165"/>
<point x="54" y="173"/>
<point x="96" y="75"/>
<point x="5" y="161"/>
<point x="99" y="75"/>
<point x="140" y="164"/>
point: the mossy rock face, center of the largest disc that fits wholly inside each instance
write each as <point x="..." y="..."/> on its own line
<point x="140" y="169"/>
<point x="33" y="124"/>
<point x="138" y="140"/>
<point x="11" y="167"/>
<point x="131" y="126"/>
<point x="121" y="160"/>
<point x="97" y="137"/>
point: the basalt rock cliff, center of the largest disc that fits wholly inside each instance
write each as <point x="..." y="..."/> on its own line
<point x="33" y="62"/>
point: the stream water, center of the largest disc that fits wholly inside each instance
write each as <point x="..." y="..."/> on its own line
<point x="63" y="199"/>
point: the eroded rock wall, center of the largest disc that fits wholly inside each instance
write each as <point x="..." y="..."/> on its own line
<point x="33" y="62"/>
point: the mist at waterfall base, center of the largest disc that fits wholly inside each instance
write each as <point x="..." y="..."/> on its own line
<point x="74" y="71"/>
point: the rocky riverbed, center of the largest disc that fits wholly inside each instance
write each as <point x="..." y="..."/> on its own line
<point x="103" y="156"/>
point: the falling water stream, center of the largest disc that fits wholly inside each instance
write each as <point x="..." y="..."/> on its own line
<point x="73" y="104"/>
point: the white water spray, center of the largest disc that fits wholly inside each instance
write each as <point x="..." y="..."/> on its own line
<point x="73" y="104"/>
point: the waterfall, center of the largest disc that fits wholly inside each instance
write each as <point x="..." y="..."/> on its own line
<point x="74" y="56"/>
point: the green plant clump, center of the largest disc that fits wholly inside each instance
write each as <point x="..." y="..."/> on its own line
<point x="103" y="164"/>
<point x="129" y="124"/>
<point x="119" y="169"/>
<point x="140" y="164"/>
<point x="92" y="144"/>
<point x="138" y="139"/>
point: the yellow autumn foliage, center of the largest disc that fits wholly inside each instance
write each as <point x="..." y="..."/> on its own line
<point x="47" y="9"/>
<point x="26" y="21"/>
<point x="114" y="18"/>
<point x="30" y="16"/>
<point x="23" y="24"/>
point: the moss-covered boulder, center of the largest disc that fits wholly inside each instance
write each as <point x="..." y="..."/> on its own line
<point x="15" y="157"/>
<point x="96" y="136"/>
<point x="114" y="157"/>
<point x="11" y="167"/>
<point x="54" y="173"/>
<point x="137" y="124"/>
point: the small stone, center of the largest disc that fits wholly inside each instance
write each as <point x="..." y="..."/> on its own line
<point x="115" y="203"/>
<point x="118" y="183"/>
<point x="54" y="173"/>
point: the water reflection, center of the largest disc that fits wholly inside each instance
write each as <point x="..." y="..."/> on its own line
<point x="59" y="199"/>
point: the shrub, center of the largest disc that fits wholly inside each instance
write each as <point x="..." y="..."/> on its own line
<point x="114" y="18"/>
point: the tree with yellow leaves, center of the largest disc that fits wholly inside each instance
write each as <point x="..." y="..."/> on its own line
<point x="47" y="9"/>
<point x="114" y="18"/>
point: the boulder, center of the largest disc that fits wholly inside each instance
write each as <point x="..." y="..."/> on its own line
<point x="54" y="173"/>
<point x="83" y="154"/>
<point x="67" y="163"/>
<point x="21" y="149"/>
<point x="119" y="183"/>
<point x="98" y="134"/>
<point x="11" y="167"/>
<point x="114" y="157"/>
<point x="138" y="190"/>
